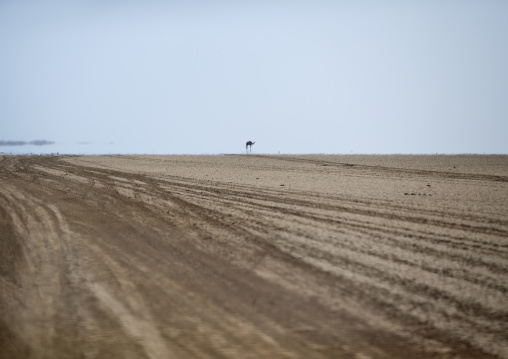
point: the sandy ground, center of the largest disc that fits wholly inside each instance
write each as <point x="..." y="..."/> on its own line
<point x="247" y="256"/>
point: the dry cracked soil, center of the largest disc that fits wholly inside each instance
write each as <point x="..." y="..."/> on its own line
<point x="254" y="256"/>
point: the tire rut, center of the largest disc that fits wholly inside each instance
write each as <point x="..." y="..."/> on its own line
<point x="308" y="260"/>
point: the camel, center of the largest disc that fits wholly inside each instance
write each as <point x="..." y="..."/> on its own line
<point x="249" y="143"/>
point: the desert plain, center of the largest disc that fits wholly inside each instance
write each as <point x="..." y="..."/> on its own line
<point x="254" y="256"/>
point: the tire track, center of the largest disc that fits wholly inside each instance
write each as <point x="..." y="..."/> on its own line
<point x="375" y="170"/>
<point x="434" y="279"/>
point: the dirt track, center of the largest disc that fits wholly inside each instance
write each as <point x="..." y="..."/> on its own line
<point x="244" y="256"/>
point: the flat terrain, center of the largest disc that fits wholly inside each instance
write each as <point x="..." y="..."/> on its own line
<point x="250" y="256"/>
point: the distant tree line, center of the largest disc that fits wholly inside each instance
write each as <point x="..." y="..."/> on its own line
<point x="23" y="143"/>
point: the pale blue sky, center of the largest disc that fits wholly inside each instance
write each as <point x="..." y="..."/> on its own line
<point x="203" y="77"/>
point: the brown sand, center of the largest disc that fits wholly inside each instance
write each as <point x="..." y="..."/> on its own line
<point x="245" y="256"/>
